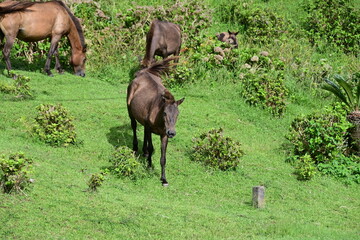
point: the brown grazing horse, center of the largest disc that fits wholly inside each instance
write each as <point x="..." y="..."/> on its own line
<point x="153" y="106"/>
<point x="163" y="39"/>
<point x="229" y="37"/>
<point x="35" y="21"/>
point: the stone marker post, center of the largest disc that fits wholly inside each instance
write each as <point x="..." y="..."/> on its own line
<point x="258" y="196"/>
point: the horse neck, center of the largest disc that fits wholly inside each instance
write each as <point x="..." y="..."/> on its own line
<point x="74" y="39"/>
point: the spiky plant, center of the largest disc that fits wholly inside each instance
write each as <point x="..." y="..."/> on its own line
<point x="351" y="97"/>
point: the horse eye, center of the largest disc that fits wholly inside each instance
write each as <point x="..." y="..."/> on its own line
<point x="164" y="114"/>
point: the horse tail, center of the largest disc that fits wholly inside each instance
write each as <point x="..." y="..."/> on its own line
<point x="163" y="66"/>
<point x="16" y="7"/>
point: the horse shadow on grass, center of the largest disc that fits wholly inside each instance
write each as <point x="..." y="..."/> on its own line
<point x="120" y="136"/>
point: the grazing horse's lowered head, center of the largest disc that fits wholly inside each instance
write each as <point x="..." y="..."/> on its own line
<point x="153" y="106"/>
<point x="163" y="39"/>
<point x="229" y="37"/>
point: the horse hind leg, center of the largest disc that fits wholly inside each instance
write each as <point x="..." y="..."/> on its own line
<point x="133" y="126"/>
<point x="6" y="51"/>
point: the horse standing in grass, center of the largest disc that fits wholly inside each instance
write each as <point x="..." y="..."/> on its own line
<point x="229" y="37"/>
<point x="153" y="106"/>
<point x="35" y="21"/>
<point x="163" y="39"/>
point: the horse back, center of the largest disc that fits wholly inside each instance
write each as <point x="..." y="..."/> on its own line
<point x="50" y="18"/>
<point x="144" y="98"/>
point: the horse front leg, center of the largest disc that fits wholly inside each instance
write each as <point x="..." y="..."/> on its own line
<point x="148" y="148"/>
<point x="53" y="47"/>
<point x="164" y="142"/>
<point x="57" y="61"/>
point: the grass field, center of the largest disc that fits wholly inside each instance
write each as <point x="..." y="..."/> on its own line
<point x="199" y="203"/>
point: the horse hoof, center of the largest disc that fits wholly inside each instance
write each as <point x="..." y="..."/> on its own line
<point x="165" y="184"/>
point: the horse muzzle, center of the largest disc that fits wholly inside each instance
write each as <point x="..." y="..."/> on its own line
<point x="80" y="73"/>
<point x="170" y="133"/>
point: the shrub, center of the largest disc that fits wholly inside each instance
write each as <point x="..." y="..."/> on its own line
<point x="319" y="141"/>
<point x="15" y="170"/>
<point x="54" y="125"/>
<point x="217" y="151"/>
<point x="125" y="163"/>
<point x="335" y="22"/>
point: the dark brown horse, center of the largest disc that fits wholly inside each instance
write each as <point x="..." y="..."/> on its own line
<point x="153" y="106"/>
<point x="163" y="39"/>
<point x="229" y="37"/>
<point x="35" y="21"/>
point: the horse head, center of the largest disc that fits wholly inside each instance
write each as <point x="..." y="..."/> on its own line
<point x="229" y="37"/>
<point x="78" y="59"/>
<point x="170" y="112"/>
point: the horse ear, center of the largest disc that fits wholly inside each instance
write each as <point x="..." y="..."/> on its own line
<point x="178" y="102"/>
<point x="166" y="95"/>
<point x="236" y="33"/>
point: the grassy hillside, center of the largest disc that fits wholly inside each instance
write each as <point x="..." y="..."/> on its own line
<point x="199" y="203"/>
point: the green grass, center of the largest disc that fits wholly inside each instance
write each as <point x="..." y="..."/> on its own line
<point x="198" y="204"/>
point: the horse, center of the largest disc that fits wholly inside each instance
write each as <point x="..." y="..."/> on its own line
<point x="163" y="39"/>
<point x="35" y="21"/>
<point x="229" y="37"/>
<point x="154" y="107"/>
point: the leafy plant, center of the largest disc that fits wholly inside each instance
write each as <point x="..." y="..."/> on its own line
<point x="125" y="163"/>
<point x="305" y="167"/>
<point x="14" y="172"/>
<point x="54" y="125"/>
<point x="96" y="180"/>
<point x="19" y="86"/>
<point x="215" y="150"/>
<point x="344" y="91"/>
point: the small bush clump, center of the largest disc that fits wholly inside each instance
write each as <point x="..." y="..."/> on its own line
<point x="19" y="87"/>
<point x="96" y="180"/>
<point x="54" y="125"/>
<point x="14" y="172"/>
<point x="215" y="150"/>
<point x="124" y="163"/>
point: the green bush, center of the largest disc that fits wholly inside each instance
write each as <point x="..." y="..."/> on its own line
<point x="333" y="21"/>
<point x="14" y="172"/>
<point x="320" y="140"/>
<point x="215" y="150"/>
<point x="54" y="125"/>
<point x="124" y="163"/>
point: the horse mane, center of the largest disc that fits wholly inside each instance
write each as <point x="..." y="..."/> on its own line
<point x="158" y="68"/>
<point x="19" y="6"/>
<point x="76" y="22"/>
